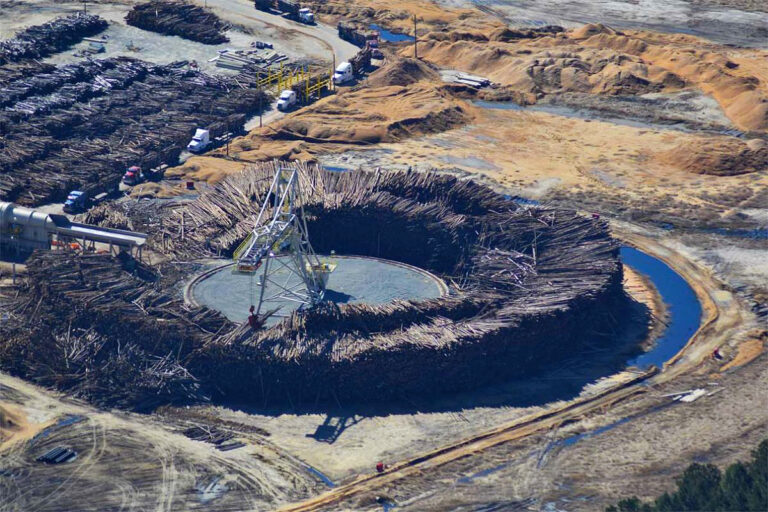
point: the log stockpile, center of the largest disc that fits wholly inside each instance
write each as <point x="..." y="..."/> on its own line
<point x="42" y="40"/>
<point x="176" y="18"/>
<point x="80" y="125"/>
<point x="529" y="287"/>
<point x="101" y="328"/>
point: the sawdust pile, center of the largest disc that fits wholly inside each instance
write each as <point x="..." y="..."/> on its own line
<point x="748" y="351"/>
<point x="599" y="60"/>
<point x="401" y="100"/>
<point x="718" y="156"/>
<point x="402" y="72"/>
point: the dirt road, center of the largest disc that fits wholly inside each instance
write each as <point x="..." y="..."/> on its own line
<point x="243" y="13"/>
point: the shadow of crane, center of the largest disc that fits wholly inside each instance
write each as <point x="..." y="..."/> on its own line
<point x="333" y="426"/>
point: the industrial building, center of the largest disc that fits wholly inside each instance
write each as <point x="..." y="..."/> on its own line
<point x="23" y="230"/>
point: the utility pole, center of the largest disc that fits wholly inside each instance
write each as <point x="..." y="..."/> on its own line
<point x="261" y="104"/>
<point x="415" y="40"/>
<point x="85" y="6"/>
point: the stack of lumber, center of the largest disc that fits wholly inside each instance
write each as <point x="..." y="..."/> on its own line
<point x="177" y="18"/>
<point x="42" y="40"/>
<point x="81" y="125"/>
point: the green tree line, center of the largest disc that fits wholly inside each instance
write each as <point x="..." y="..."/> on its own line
<point x="704" y="488"/>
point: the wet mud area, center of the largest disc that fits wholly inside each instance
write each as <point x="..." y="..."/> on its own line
<point x="738" y="22"/>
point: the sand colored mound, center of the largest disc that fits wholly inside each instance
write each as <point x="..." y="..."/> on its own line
<point x="600" y="60"/>
<point x="551" y="70"/>
<point x="372" y="115"/>
<point x="360" y="117"/>
<point x="203" y="168"/>
<point x="742" y="94"/>
<point x="718" y="156"/>
<point x="748" y="351"/>
<point x="405" y="71"/>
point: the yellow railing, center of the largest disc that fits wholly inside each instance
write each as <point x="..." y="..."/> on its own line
<point x="242" y="247"/>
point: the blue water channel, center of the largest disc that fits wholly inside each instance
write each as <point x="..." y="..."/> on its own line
<point x="386" y="35"/>
<point x="684" y="319"/>
<point x="682" y="303"/>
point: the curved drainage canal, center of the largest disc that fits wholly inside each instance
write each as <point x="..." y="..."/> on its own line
<point x="685" y="317"/>
<point x="682" y="303"/>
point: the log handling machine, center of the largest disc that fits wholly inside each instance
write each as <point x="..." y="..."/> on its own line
<point x="278" y="249"/>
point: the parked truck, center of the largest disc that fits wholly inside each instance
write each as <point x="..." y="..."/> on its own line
<point x="286" y="100"/>
<point x="343" y="73"/>
<point x="347" y="71"/>
<point x="200" y="141"/>
<point x="133" y="176"/>
<point x="357" y="35"/>
<point x="293" y="10"/>
<point x="79" y="201"/>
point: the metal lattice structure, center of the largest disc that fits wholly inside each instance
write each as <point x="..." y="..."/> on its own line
<point x="279" y="249"/>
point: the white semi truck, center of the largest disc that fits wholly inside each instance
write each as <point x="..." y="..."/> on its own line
<point x="287" y="100"/>
<point x="343" y="74"/>
<point x="200" y="141"/>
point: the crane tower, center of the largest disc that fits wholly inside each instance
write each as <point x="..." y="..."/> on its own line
<point x="278" y="248"/>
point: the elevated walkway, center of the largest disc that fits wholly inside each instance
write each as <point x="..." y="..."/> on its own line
<point x="119" y="237"/>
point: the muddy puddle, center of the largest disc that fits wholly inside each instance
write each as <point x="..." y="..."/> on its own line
<point x="390" y="37"/>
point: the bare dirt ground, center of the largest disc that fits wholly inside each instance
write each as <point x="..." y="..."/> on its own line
<point x="741" y="22"/>
<point x="130" y="462"/>
<point x="293" y="39"/>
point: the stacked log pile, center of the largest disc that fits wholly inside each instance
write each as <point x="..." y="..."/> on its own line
<point x="100" y="328"/>
<point x="81" y="125"/>
<point x="42" y="40"/>
<point x="178" y="18"/>
<point x="529" y="287"/>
